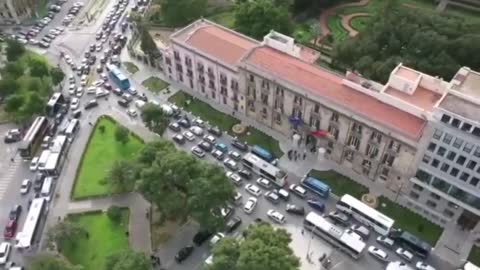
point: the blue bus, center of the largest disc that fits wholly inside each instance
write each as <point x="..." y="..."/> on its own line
<point x="316" y="186"/>
<point x="118" y="78"/>
<point x="262" y="153"/>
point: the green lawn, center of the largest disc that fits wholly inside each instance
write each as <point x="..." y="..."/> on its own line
<point x="154" y="84"/>
<point x="225" y="121"/>
<point x="474" y="255"/>
<point x="360" y="23"/>
<point x="303" y="33"/>
<point x="100" y="154"/>
<point x="340" y="184"/>
<point x="41" y="8"/>
<point x="334" y="23"/>
<point x="105" y="238"/>
<point x="226" y="18"/>
<point x="409" y="221"/>
<point x="131" y="67"/>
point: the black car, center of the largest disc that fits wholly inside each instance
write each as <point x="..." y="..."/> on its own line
<point x="123" y="102"/>
<point x="117" y="92"/>
<point x="240" y="146"/>
<point x="339" y="218"/>
<point x="184" y="122"/>
<point x="215" y="131"/>
<point x="233" y="224"/>
<point x="205" y="146"/>
<point x="15" y="212"/>
<point x="200" y="237"/>
<point x="179" y="139"/>
<point x="183" y="254"/>
<point x="143" y="97"/>
<point x="91" y="104"/>
<point x="92" y="48"/>
<point x="76" y="114"/>
<point x="174" y="127"/>
<point x="37" y="184"/>
<point x="294" y="209"/>
<point x="245" y="174"/>
<point x="272" y="196"/>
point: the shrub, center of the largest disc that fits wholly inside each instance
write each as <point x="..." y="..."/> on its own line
<point x="114" y="213"/>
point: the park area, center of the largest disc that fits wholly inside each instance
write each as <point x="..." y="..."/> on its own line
<point x="105" y="237"/>
<point x="100" y="154"/>
<point x="130" y="67"/>
<point x="225" y="122"/>
<point x="154" y="84"/>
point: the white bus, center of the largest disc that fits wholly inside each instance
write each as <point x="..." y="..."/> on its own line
<point x="25" y="238"/>
<point x="335" y="235"/>
<point x="72" y="128"/>
<point x="47" y="187"/>
<point x="265" y="169"/>
<point x="365" y="214"/>
<point x="42" y="161"/>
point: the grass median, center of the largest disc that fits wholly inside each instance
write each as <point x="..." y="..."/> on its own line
<point x="340" y="184"/>
<point x="130" y="67"/>
<point x="155" y="84"/>
<point x="100" y="154"/>
<point x="105" y="237"/>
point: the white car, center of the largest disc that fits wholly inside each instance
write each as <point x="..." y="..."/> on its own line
<point x="75" y="103"/>
<point x="198" y="122"/>
<point x="197" y="130"/>
<point x="217" y="237"/>
<point x="91" y="90"/>
<point x="132" y="112"/>
<point x="4" y="252"/>
<point x="254" y="190"/>
<point x="198" y="152"/>
<point x="250" y="205"/>
<point x="236" y="179"/>
<point x="405" y="254"/>
<point x="385" y="241"/>
<point x="423" y="266"/>
<point x="25" y="187"/>
<point x="189" y="135"/>
<point x="210" y="139"/>
<point x="264" y="183"/>
<point x="231" y="164"/>
<point x="276" y="216"/>
<point x="378" y="253"/>
<point x="79" y="92"/>
<point x="34" y="164"/>
<point x="298" y="190"/>
<point x="98" y="83"/>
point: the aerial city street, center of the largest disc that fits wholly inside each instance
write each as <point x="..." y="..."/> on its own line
<point x="269" y="134"/>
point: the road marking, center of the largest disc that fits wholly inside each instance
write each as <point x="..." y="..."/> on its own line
<point x="7" y="177"/>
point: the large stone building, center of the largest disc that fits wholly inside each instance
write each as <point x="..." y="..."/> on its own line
<point x="15" y="11"/>
<point x="379" y="131"/>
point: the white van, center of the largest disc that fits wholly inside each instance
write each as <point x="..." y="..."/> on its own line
<point x="46" y="187"/>
<point x="139" y="104"/>
<point x="167" y="110"/>
<point x="72" y="128"/>
<point x="42" y="161"/>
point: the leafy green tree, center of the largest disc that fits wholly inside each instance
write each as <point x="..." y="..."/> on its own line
<point x="50" y="262"/>
<point x="257" y="18"/>
<point x="64" y="233"/>
<point x="150" y="151"/>
<point x="57" y="75"/>
<point x="38" y="68"/>
<point x="15" y="49"/>
<point x="14" y="69"/>
<point x="8" y="86"/>
<point x="114" y="213"/>
<point x="147" y="44"/>
<point x="122" y="134"/>
<point x="154" y="118"/>
<point x="34" y="104"/>
<point x="264" y="247"/>
<point x="14" y="102"/>
<point x="181" y="12"/>
<point x="121" y="176"/>
<point x="128" y="260"/>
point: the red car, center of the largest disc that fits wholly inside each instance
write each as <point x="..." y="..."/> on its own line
<point x="10" y="229"/>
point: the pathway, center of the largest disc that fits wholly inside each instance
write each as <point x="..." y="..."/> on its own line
<point x="332" y="11"/>
<point x="347" y="19"/>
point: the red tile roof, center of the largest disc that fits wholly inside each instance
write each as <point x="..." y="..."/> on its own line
<point x="220" y="43"/>
<point x="330" y="87"/>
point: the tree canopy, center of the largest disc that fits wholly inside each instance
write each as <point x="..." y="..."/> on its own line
<point x="128" y="260"/>
<point x="181" y="12"/>
<point x="257" y="18"/>
<point x="64" y="233"/>
<point x="437" y="44"/>
<point x="121" y="176"/>
<point x="42" y="262"/>
<point x="181" y="185"/>
<point x="154" y="118"/>
<point x="15" y="49"/>
<point x="121" y="134"/>
<point x="264" y="247"/>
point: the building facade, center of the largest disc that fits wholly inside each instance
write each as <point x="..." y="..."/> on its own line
<point x="15" y="11"/>
<point x="379" y="131"/>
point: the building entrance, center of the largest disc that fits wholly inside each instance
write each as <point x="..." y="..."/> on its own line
<point x="468" y="220"/>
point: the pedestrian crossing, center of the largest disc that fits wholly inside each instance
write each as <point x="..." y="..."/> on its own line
<point x="7" y="173"/>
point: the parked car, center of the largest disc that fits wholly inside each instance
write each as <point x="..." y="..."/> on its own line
<point x="34" y="164"/>
<point x="378" y="253"/>
<point x="253" y="189"/>
<point x="317" y="205"/>
<point x="200" y="237"/>
<point x="174" y="127"/>
<point x="298" y="190"/>
<point x="272" y="196"/>
<point x="236" y="179"/>
<point x="339" y="218"/>
<point x="250" y="205"/>
<point x="25" y="187"/>
<point x="178" y="138"/>
<point x="233" y="224"/>
<point x="10" y="230"/>
<point x="197" y="130"/>
<point x="264" y="183"/>
<point x="245" y="174"/>
<point x="183" y="253"/>
<point x="361" y="230"/>
<point x="15" y="212"/>
<point x="210" y="139"/>
<point x="276" y="216"/>
<point x="285" y="195"/>
<point x="234" y="155"/>
<point x="197" y="151"/>
<point x="405" y="254"/>
<point x="385" y="241"/>
<point x="294" y="209"/>
<point x="91" y="104"/>
<point x="240" y="146"/>
<point x="5" y="248"/>
<point x="207" y="147"/>
<point x="214" y="130"/>
<point x="420" y="265"/>
<point x="219" y="155"/>
<point x="229" y="163"/>
<point x="216" y="238"/>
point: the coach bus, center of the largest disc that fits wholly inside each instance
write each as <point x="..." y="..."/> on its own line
<point x="336" y="236"/>
<point x="33" y="138"/>
<point x="411" y="242"/>
<point x="26" y="237"/>
<point x="262" y="153"/>
<point x="265" y="169"/>
<point x="316" y="186"/>
<point x="118" y="77"/>
<point x="55" y="104"/>
<point x="365" y="214"/>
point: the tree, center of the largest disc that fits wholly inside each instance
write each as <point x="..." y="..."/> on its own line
<point x="114" y="213"/>
<point x="257" y="18"/>
<point x="122" y="134"/>
<point x="147" y="44"/>
<point x="8" y="86"/>
<point x="38" y="68"/>
<point x="154" y="118"/>
<point x="42" y="262"/>
<point x="34" y="104"/>
<point x="264" y="248"/>
<point x="14" y="102"/>
<point x="64" y="233"/>
<point x="181" y="12"/>
<point x="121" y="176"/>
<point x="15" y="49"/>
<point x="127" y="260"/>
<point x="14" y="69"/>
<point x="57" y="75"/>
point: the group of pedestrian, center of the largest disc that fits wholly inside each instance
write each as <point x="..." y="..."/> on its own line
<point x="155" y="260"/>
<point x="295" y="155"/>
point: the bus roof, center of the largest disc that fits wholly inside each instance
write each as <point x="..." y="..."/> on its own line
<point x="470" y="266"/>
<point x="264" y="165"/>
<point x="406" y="236"/>
<point x="262" y="152"/>
<point x="58" y="143"/>
<point x="24" y="238"/>
<point x="54" y="99"/>
<point x="317" y="183"/>
<point x="114" y="70"/>
<point x="33" y="130"/>
<point x="52" y="161"/>
<point x="349" y="199"/>
<point x="335" y="231"/>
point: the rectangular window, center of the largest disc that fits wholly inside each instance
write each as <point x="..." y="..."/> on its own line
<point x="451" y="155"/>
<point x="445" y="118"/>
<point x="437" y="134"/>
<point x="435" y="163"/>
<point x="448" y="213"/>
<point x="468" y="148"/>
<point x="435" y="196"/>
<point x="445" y="167"/>
<point x="431" y="147"/>
<point x="455" y="122"/>
<point x="466" y="127"/>
<point x="417" y="187"/>
<point x="454" y="172"/>
<point x="431" y="204"/>
<point x="414" y="195"/>
<point x="474" y="181"/>
<point x="476" y="131"/>
<point x="447" y="138"/>
<point x="471" y="165"/>
<point x="477" y="152"/>
<point x="426" y="159"/>
<point x="441" y="185"/>
<point x="441" y="151"/>
<point x="423" y="176"/>
<point x="461" y="160"/>
<point x="464" y="176"/>
<point x="458" y="143"/>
